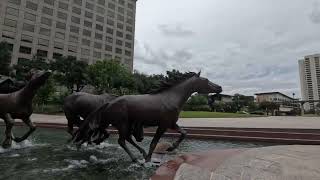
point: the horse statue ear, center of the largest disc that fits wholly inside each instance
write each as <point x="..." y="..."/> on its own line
<point x="199" y="73"/>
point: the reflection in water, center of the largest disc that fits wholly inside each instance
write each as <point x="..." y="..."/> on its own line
<point x="48" y="156"/>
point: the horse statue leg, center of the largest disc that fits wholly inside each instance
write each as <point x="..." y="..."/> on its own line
<point x="160" y="131"/>
<point x="32" y="128"/>
<point x="141" y="150"/>
<point x="8" y="132"/>
<point x="183" y="134"/>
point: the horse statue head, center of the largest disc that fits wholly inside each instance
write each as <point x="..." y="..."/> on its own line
<point x="204" y="86"/>
<point x="38" y="77"/>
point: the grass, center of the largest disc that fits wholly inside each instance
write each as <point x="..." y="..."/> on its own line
<point x="202" y="114"/>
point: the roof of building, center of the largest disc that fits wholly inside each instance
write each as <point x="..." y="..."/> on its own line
<point x="268" y="93"/>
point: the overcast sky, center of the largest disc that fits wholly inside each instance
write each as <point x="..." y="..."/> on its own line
<point x="246" y="46"/>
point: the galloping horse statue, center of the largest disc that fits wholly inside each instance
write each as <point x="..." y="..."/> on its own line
<point x="18" y="105"/>
<point x="160" y="108"/>
<point x="79" y="105"/>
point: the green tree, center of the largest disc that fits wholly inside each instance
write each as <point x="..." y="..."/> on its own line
<point x="44" y="93"/>
<point x="110" y="76"/>
<point x="269" y="107"/>
<point x="70" y="73"/>
<point x="145" y="83"/>
<point x="5" y="58"/>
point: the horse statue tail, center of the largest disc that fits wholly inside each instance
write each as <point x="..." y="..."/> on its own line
<point x="93" y="129"/>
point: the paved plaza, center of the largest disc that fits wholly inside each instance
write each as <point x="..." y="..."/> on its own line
<point x="290" y="122"/>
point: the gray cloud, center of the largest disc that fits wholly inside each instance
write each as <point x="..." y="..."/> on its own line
<point x="255" y="52"/>
<point x="176" y="30"/>
<point x="315" y="14"/>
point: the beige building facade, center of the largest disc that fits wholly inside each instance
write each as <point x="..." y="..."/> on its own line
<point x="309" y="71"/>
<point x="88" y="30"/>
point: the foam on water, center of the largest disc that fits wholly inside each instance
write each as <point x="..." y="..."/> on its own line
<point x="22" y="145"/>
<point x="95" y="160"/>
<point x="72" y="164"/>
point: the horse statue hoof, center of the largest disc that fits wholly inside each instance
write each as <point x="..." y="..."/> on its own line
<point x="7" y="143"/>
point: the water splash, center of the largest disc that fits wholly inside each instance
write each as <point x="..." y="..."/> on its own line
<point x="72" y="164"/>
<point x="24" y="144"/>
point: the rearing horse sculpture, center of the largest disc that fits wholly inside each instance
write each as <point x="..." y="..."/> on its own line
<point x="160" y="108"/>
<point x="18" y="105"/>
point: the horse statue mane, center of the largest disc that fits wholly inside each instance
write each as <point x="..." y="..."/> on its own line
<point x="172" y="80"/>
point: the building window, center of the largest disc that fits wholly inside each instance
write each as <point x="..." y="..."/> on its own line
<point x="42" y="53"/>
<point x="28" y="27"/>
<point x="48" y="11"/>
<point x="86" y="42"/>
<point x="97" y="45"/>
<point x="119" y="34"/>
<point x="16" y="2"/>
<point x="63" y="6"/>
<point x="43" y="42"/>
<point x="121" y="10"/>
<point x="73" y="39"/>
<point x="12" y="11"/>
<point x="119" y="26"/>
<point x="129" y="28"/>
<point x="25" y="50"/>
<point x="46" y="21"/>
<point x="72" y="48"/>
<point x="56" y="55"/>
<point x="87" y="24"/>
<point x="98" y="36"/>
<point x="86" y="33"/>
<point x="75" y="20"/>
<point x="109" y="30"/>
<point x="85" y="52"/>
<point x="97" y="54"/>
<point x="30" y="17"/>
<point x="101" y="2"/>
<point x="130" y="21"/>
<point x="127" y="53"/>
<point x="110" y="14"/>
<point x="76" y="10"/>
<point x="110" y="22"/>
<point x="26" y="38"/>
<point x="121" y="2"/>
<point x="59" y="35"/>
<point x="108" y="48"/>
<point x="61" y="25"/>
<point x="128" y="36"/>
<point x="120" y="17"/>
<point x="109" y="39"/>
<point x="50" y="2"/>
<point x="58" y="45"/>
<point x="128" y="45"/>
<point x="10" y="22"/>
<point x="31" y="5"/>
<point x="89" y="6"/>
<point x="108" y="56"/>
<point x="74" y="29"/>
<point x="118" y="51"/>
<point x="99" y="18"/>
<point x="99" y="27"/>
<point x="88" y="14"/>
<point x="130" y="6"/>
<point x="78" y="2"/>
<point x="119" y="42"/>
<point x="100" y="10"/>
<point x="62" y="15"/>
<point x="111" y="6"/>
<point x="44" y="31"/>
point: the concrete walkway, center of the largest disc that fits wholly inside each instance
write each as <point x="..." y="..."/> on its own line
<point x="254" y="122"/>
<point x="268" y="163"/>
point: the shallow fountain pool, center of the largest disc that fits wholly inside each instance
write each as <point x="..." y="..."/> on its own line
<point x="46" y="155"/>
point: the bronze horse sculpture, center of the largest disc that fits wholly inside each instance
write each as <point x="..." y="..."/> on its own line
<point x="79" y="105"/>
<point x="18" y="105"/>
<point x="160" y="108"/>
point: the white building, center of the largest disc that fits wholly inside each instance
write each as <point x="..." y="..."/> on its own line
<point x="309" y="71"/>
<point x="89" y="30"/>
